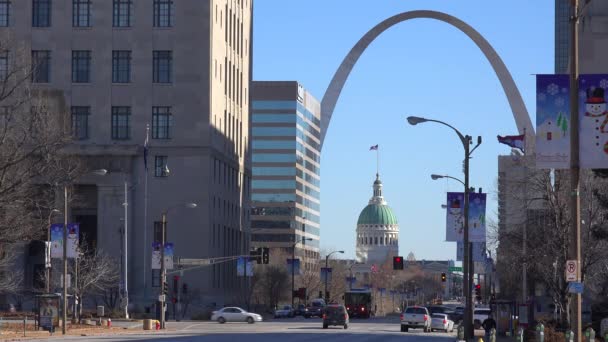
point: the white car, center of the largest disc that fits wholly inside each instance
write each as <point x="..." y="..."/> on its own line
<point x="286" y="311"/>
<point x="234" y="314"/>
<point x="480" y="315"/>
<point x="441" y="321"/>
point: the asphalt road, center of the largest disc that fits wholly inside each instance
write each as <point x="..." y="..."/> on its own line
<point x="291" y="330"/>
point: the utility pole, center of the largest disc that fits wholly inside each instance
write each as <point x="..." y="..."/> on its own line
<point x="468" y="260"/>
<point x="574" y="249"/>
<point x="125" y="297"/>
<point x="163" y="272"/>
<point x="65" y="262"/>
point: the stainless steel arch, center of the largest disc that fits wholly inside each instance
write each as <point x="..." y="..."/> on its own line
<point x="520" y="113"/>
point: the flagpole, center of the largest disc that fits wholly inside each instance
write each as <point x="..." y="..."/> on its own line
<point x="146" y="216"/>
<point x="378" y="160"/>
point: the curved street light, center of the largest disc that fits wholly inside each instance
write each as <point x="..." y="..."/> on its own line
<point x="436" y="177"/>
<point x="326" y="273"/>
<point x="466" y="141"/>
<point x="163" y="271"/>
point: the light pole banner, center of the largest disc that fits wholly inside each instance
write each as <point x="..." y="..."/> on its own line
<point x="553" y="122"/>
<point x="156" y="256"/>
<point x="455" y="217"/>
<point x="593" y="121"/>
<point x="73" y="233"/>
<point x="244" y="267"/>
<point x="57" y="240"/>
<point x="479" y="251"/>
<point x="169" y="255"/>
<point x="295" y="264"/>
<point x="326" y="273"/>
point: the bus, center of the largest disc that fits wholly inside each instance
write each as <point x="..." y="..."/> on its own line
<point x="358" y="303"/>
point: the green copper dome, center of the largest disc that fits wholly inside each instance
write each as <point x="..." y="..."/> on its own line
<point x="379" y="214"/>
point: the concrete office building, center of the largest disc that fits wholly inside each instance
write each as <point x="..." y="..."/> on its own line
<point x="593" y="35"/>
<point x="286" y="166"/>
<point x="181" y="67"/>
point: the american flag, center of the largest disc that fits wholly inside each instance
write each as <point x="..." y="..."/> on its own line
<point x="373" y="148"/>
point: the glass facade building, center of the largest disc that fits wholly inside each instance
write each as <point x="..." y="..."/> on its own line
<point x="286" y="133"/>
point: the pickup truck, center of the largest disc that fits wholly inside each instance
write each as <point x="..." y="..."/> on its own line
<point x="415" y="317"/>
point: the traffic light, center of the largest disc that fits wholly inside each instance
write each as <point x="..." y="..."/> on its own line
<point x="443" y="277"/>
<point x="478" y="292"/>
<point x="256" y="254"/>
<point x="265" y="255"/>
<point x="166" y="288"/>
<point x="185" y="288"/>
<point x="398" y="263"/>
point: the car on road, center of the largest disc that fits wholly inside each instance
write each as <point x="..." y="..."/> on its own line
<point x="415" y="317"/>
<point x="457" y="315"/>
<point x="300" y="309"/>
<point x="286" y="311"/>
<point x="441" y="321"/>
<point x="480" y="315"/>
<point x="315" y="309"/>
<point x="234" y="314"/>
<point x="335" y="314"/>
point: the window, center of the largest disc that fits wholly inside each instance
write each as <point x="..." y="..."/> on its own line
<point x="162" y="61"/>
<point x="80" y="122"/>
<point x="3" y="65"/>
<point x="162" y="121"/>
<point x="163" y="13"/>
<point x="122" y="13"/>
<point x="81" y="13"/>
<point x="5" y="13"/>
<point x="41" y="13"/>
<point x="81" y="66"/>
<point x="121" y="66"/>
<point x="121" y="123"/>
<point x="160" y="166"/>
<point x="41" y="65"/>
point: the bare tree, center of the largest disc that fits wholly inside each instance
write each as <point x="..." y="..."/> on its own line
<point x="34" y="130"/>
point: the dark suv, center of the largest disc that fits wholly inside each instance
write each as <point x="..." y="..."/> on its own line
<point x="335" y="314"/>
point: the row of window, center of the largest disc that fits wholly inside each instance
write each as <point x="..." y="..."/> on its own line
<point x="162" y="122"/>
<point x="389" y="241"/>
<point x="122" y="13"/>
<point x="162" y="66"/>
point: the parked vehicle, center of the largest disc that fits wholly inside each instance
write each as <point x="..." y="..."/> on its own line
<point x="286" y="311"/>
<point x="334" y="314"/>
<point x="234" y="314"/>
<point x="415" y="317"/>
<point x="480" y="315"/>
<point x="358" y="303"/>
<point x="441" y="321"/>
<point x="315" y="308"/>
<point x="300" y="309"/>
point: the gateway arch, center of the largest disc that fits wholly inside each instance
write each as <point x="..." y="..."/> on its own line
<point x="520" y="113"/>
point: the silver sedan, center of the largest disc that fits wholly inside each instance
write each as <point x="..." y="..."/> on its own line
<point x="234" y="314"/>
<point x="441" y="321"/>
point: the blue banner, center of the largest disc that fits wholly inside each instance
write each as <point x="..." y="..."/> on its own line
<point x="553" y="121"/>
<point x="326" y="273"/>
<point x="296" y="266"/>
<point x="244" y="267"/>
<point x="455" y="217"/>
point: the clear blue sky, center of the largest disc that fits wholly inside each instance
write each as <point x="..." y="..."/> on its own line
<point x="420" y="67"/>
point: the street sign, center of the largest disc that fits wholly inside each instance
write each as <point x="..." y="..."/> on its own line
<point x="455" y="269"/>
<point x="571" y="270"/>
<point x="575" y="287"/>
<point x="161" y="298"/>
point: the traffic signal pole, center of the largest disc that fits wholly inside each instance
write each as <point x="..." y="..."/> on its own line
<point x="163" y="272"/>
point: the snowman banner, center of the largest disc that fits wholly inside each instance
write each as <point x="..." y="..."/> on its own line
<point x="72" y="246"/>
<point x="553" y="121"/>
<point x="455" y="217"/>
<point x="593" y="121"/>
<point x="479" y="251"/>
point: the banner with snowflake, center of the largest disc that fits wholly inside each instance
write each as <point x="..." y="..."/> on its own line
<point x="593" y="121"/>
<point x="552" y="121"/>
<point x="455" y="217"/>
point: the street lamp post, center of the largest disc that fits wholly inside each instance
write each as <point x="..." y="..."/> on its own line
<point x="163" y="270"/>
<point x="293" y="268"/>
<point x="468" y="269"/>
<point x="124" y="267"/>
<point x="326" y="273"/>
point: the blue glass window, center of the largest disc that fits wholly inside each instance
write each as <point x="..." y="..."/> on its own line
<point x="273" y="131"/>
<point x="274" y="197"/>
<point x="274" y="105"/>
<point x="282" y="118"/>
<point x="274" y="158"/>
<point x="274" y="171"/>
<point x="274" y="144"/>
<point x="273" y="184"/>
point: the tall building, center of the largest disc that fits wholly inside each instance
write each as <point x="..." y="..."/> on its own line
<point x="377" y="229"/>
<point x="181" y="68"/>
<point x="593" y="32"/>
<point x="286" y="157"/>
